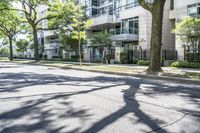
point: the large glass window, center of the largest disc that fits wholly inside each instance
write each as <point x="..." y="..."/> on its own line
<point x="172" y="4"/>
<point x="130" y="25"/>
<point x="194" y="10"/>
<point x="94" y="11"/>
<point x="131" y="3"/>
<point x="117" y="7"/>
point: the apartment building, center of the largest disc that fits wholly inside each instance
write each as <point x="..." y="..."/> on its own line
<point x="180" y="9"/>
<point x="130" y="26"/>
<point x="50" y="46"/>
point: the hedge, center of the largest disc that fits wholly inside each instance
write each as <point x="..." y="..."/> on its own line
<point x="143" y="62"/>
<point x="124" y="58"/>
<point x="185" y="64"/>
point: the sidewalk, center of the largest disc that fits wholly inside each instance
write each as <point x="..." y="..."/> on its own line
<point x="173" y="74"/>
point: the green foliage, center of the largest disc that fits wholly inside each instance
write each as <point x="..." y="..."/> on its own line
<point x="101" y="39"/>
<point x="80" y="23"/>
<point x="135" y="61"/>
<point x="124" y="57"/>
<point x="143" y="62"/>
<point x="189" y="33"/>
<point x="9" y="23"/>
<point x="61" y="14"/>
<point x="4" y="51"/>
<point x="188" y="29"/>
<point x="68" y="43"/>
<point x="185" y="64"/>
<point x="22" y="45"/>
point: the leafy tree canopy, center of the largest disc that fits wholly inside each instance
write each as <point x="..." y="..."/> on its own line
<point x="101" y="39"/>
<point x="68" y="43"/>
<point x="22" y="45"/>
<point x="188" y="29"/>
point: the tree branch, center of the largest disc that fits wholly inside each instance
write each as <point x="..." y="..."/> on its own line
<point x="45" y="18"/>
<point x="146" y="5"/>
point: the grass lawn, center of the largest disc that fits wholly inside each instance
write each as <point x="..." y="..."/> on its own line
<point x="109" y="68"/>
<point x="4" y="59"/>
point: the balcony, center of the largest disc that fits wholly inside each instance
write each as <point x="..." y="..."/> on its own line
<point x="124" y="34"/>
<point x="102" y="19"/>
<point x="52" y="46"/>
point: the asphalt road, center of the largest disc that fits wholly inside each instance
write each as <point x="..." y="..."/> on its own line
<point x="42" y="99"/>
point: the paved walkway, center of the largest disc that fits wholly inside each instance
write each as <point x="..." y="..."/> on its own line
<point x="43" y="99"/>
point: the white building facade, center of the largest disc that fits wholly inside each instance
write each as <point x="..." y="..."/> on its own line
<point x="130" y="26"/>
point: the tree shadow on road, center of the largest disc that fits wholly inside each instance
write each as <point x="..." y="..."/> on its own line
<point x="34" y="109"/>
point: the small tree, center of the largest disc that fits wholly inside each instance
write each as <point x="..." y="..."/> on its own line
<point x="29" y="12"/>
<point x="189" y="32"/>
<point x="22" y="45"/>
<point x="4" y="51"/>
<point x="79" y="24"/>
<point x="156" y="8"/>
<point x="9" y="27"/>
<point x="104" y="42"/>
<point x="67" y="41"/>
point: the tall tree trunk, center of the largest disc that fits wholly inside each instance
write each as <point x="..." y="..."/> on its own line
<point x="11" y="49"/>
<point x="36" y="45"/>
<point x="156" y="37"/>
<point x="79" y="49"/>
<point x="198" y="49"/>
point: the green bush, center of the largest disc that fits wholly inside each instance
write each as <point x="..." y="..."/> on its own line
<point x="124" y="58"/>
<point x="185" y="64"/>
<point x="135" y="61"/>
<point x="143" y="62"/>
<point x="117" y="62"/>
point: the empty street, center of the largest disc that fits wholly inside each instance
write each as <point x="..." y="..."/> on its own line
<point x="42" y="99"/>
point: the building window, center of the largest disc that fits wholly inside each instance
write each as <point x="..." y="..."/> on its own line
<point x="194" y="10"/>
<point x="94" y="11"/>
<point x="130" y="26"/>
<point x="198" y="11"/>
<point x="172" y="5"/>
<point x="131" y="3"/>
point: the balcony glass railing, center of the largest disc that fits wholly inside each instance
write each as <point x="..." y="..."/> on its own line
<point x="131" y="5"/>
<point x="123" y="31"/>
<point x="105" y="13"/>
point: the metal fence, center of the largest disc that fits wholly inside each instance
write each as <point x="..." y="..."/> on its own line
<point x="165" y="54"/>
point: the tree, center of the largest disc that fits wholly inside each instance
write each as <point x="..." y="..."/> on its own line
<point x="67" y="41"/>
<point x="4" y="51"/>
<point x="79" y="24"/>
<point x="22" y="45"/>
<point x="156" y="8"/>
<point x="30" y="13"/>
<point x="63" y="13"/>
<point x="189" y="32"/>
<point x="104" y="42"/>
<point x="9" y="27"/>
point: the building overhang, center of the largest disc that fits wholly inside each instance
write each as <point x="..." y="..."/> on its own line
<point x="125" y="37"/>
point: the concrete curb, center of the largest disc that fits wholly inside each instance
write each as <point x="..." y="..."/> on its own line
<point x="163" y="78"/>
